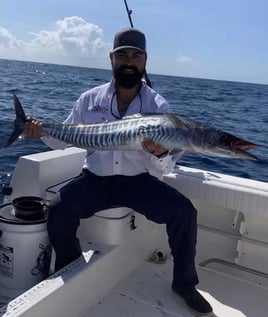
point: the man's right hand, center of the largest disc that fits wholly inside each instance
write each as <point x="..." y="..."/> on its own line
<point x="33" y="128"/>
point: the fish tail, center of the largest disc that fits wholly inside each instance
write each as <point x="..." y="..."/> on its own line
<point x="19" y="122"/>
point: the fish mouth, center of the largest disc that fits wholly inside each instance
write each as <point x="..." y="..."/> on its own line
<point x="243" y="154"/>
<point x="237" y="146"/>
<point x="235" y="143"/>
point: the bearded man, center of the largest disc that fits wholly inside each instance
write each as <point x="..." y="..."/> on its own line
<point x="125" y="178"/>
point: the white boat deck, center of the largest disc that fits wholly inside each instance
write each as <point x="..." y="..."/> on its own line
<point x="232" y="250"/>
<point x="146" y="292"/>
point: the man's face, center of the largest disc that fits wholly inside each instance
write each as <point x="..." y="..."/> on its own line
<point x="128" y="66"/>
<point x="129" y="56"/>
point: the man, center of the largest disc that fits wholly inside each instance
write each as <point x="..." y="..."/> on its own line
<point x="121" y="177"/>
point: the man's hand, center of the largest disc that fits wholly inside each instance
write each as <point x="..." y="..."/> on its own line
<point x="33" y="128"/>
<point x="153" y="148"/>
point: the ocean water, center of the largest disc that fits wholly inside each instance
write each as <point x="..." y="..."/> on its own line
<point x="48" y="92"/>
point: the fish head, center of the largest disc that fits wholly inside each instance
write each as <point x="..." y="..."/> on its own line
<point x="215" y="142"/>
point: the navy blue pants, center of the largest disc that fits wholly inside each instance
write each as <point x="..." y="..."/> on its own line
<point x="157" y="201"/>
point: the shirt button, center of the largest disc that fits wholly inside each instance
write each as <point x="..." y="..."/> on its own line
<point x="116" y="162"/>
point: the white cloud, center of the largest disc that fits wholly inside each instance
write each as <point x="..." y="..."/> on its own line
<point x="8" y="42"/>
<point x="181" y="59"/>
<point x="72" y="41"/>
<point x="184" y="66"/>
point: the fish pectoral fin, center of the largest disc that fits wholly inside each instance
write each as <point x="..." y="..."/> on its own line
<point x="178" y="123"/>
<point x="176" y="152"/>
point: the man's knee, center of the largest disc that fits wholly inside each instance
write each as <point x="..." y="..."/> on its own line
<point x="55" y="209"/>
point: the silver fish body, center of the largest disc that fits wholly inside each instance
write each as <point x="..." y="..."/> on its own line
<point x="171" y="131"/>
<point x="125" y="134"/>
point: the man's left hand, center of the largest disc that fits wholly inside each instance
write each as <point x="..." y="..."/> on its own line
<point x="153" y="148"/>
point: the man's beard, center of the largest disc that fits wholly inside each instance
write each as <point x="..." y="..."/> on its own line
<point x="127" y="76"/>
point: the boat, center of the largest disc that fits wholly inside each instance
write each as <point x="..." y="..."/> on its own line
<point x="126" y="266"/>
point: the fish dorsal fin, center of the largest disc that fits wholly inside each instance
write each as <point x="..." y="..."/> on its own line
<point x="177" y="121"/>
<point x="133" y="116"/>
<point x="144" y="114"/>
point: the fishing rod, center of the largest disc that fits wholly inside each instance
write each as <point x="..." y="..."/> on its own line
<point x="129" y="12"/>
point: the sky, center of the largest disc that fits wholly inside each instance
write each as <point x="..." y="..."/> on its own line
<point x="224" y="40"/>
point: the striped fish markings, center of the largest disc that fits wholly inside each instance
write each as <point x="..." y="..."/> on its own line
<point x="171" y="131"/>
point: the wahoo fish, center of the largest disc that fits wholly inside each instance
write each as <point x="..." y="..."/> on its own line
<point x="171" y="131"/>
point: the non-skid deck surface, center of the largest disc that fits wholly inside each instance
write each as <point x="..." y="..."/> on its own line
<point x="146" y="293"/>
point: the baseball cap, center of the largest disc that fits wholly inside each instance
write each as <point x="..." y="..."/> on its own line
<point x="129" y="38"/>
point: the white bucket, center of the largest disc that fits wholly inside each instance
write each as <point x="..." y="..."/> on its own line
<point x="25" y="251"/>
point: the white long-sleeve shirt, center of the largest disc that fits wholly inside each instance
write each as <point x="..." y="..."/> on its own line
<point x="99" y="104"/>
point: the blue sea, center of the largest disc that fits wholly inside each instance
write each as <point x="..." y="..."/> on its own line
<point x="48" y="92"/>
